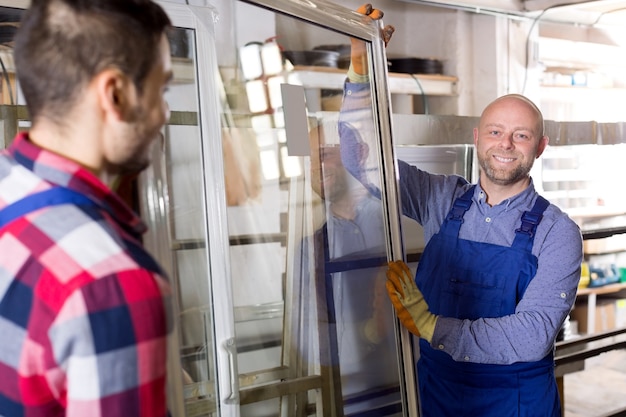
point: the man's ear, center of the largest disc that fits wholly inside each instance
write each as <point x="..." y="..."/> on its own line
<point x="116" y="93"/>
<point x="543" y="143"/>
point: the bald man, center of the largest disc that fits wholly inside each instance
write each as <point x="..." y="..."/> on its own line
<point x="499" y="272"/>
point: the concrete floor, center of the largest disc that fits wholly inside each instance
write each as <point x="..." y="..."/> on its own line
<point x="598" y="390"/>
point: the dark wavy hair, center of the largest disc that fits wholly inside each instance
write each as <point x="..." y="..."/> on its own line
<point x="62" y="44"/>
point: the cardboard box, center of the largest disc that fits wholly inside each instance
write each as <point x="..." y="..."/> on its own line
<point x="605" y="316"/>
<point x="620" y="311"/>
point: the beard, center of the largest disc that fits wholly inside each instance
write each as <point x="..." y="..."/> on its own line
<point x="503" y="176"/>
<point x="134" y="168"/>
<point x="136" y="164"/>
<point x="335" y="188"/>
<point x="140" y="142"/>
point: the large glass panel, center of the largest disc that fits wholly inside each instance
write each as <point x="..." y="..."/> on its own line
<point x="307" y="240"/>
<point x="305" y="248"/>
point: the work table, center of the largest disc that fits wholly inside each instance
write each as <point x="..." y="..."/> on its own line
<point x="571" y="354"/>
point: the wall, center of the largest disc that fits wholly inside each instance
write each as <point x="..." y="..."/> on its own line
<point x="487" y="53"/>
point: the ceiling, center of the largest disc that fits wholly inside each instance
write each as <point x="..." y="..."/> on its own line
<point x="584" y="19"/>
<point x="598" y="13"/>
<point x="591" y="13"/>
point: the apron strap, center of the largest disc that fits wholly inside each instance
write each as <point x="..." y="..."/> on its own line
<point x="454" y="219"/>
<point x="525" y="235"/>
<point x="50" y="197"/>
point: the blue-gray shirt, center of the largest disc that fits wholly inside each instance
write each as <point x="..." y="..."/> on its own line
<point x="530" y="333"/>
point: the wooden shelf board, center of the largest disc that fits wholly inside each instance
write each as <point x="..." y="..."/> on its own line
<point x="606" y="289"/>
<point x="334" y="78"/>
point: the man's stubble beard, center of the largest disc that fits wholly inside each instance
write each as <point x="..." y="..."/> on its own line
<point x="503" y="177"/>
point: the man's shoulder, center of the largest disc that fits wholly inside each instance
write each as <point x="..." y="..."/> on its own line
<point x="15" y="180"/>
<point x="67" y="251"/>
<point x="559" y="227"/>
<point x="69" y="240"/>
<point x="557" y="214"/>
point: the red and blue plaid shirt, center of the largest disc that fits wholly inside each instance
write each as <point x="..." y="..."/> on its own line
<point x="84" y="309"/>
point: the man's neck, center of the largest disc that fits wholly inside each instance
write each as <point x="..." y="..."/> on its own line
<point x="345" y="206"/>
<point x="497" y="193"/>
<point x="73" y="143"/>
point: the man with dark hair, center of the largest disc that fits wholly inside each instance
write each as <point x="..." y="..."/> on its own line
<point x="84" y="309"/>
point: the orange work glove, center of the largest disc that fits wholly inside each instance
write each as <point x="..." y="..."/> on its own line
<point x="408" y="301"/>
<point x="358" y="52"/>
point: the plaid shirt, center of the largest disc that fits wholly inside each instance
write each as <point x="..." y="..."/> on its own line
<point x="84" y="309"/>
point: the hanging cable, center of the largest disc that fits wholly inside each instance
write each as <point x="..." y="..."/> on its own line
<point x="530" y="31"/>
<point x="424" y="97"/>
<point x="605" y="13"/>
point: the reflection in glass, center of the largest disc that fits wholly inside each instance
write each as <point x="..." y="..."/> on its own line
<point x="350" y="240"/>
<point x="308" y="254"/>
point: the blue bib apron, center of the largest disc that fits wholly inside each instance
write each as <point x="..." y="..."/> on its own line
<point x="468" y="280"/>
<point x="50" y="197"/>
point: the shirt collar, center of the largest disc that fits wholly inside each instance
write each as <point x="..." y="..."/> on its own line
<point x="519" y="200"/>
<point x="60" y="171"/>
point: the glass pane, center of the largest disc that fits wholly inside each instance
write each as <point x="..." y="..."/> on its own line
<point x="172" y="198"/>
<point x="307" y="239"/>
<point x="13" y="111"/>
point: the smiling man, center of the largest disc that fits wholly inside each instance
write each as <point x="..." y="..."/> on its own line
<point x="508" y="139"/>
<point x="498" y="275"/>
<point x="499" y="272"/>
<point x="84" y="309"/>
